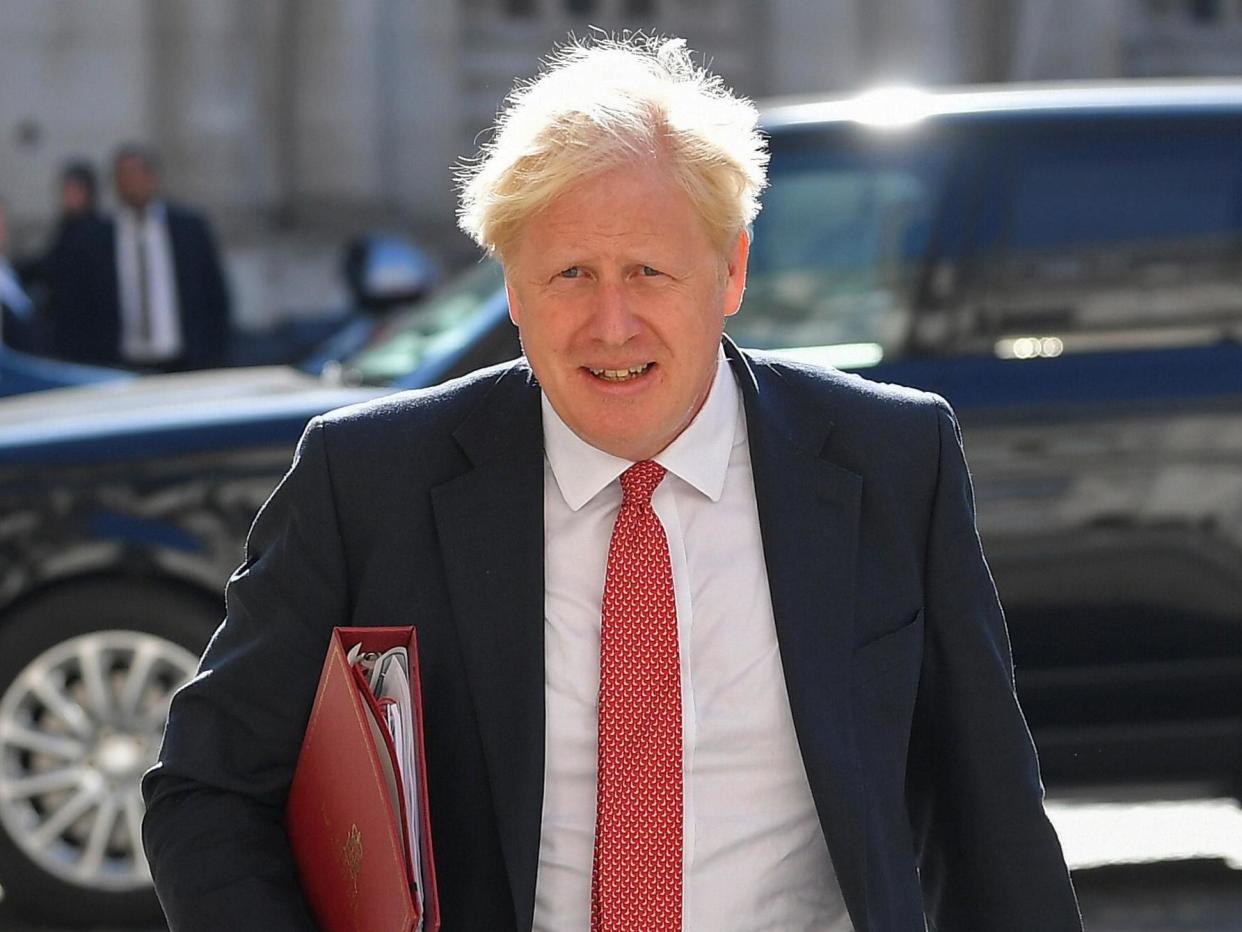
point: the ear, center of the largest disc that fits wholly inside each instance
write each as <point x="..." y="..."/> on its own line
<point x="735" y="284"/>
<point x="514" y="313"/>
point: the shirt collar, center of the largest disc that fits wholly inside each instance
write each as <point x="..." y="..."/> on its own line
<point x="698" y="456"/>
<point x="155" y="212"/>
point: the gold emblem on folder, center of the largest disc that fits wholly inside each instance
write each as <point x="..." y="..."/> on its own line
<point x="352" y="855"/>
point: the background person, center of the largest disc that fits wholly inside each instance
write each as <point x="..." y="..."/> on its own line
<point x="57" y="279"/>
<point x="79" y="190"/>
<point x="154" y="293"/>
<point x="707" y="639"/>
<point x="172" y="297"/>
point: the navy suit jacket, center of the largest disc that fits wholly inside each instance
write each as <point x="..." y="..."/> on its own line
<point x="426" y="508"/>
<point x="86" y="317"/>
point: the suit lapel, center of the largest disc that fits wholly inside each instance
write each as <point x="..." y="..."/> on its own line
<point x="490" y="525"/>
<point x="808" y="515"/>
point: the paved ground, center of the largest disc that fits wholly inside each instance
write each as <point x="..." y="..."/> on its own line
<point x="1188" y="879"/>
<point x="1185" y="896"/>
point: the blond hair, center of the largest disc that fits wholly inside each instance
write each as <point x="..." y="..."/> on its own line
<point x="606" y="102"/>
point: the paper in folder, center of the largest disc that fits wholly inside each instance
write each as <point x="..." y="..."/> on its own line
<point x="357" y="815"/>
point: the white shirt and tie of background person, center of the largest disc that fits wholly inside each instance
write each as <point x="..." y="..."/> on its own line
<point x="150" y="312"/>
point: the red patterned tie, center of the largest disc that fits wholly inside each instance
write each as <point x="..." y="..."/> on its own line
<point x="636" y="875"/>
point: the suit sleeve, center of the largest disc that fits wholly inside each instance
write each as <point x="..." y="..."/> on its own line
<point x="213" y="830"/>
<point x="989" y="858"/>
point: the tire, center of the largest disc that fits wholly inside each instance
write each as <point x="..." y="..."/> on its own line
<point x="86" y="672"/>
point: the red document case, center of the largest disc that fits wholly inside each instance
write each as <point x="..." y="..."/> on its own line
<point x="348" y="840"/>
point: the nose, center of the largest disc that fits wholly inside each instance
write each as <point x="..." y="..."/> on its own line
<point x="613" y="321"/>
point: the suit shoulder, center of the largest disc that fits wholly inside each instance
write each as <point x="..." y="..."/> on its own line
<point x="425" y="411"/>
<point x="176" y="212"/>
<point x="848" y="393"/>
<point x="189" y="220"/>
<point x="421" y="436"/>
<point x="888" y="432"/>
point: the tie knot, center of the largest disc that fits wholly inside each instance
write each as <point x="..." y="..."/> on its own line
<point x="639" y="481"/>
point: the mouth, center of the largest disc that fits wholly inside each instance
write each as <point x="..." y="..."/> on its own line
<point x="621" y="375"/>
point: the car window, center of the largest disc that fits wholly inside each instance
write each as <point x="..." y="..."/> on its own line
<point x="1110" y="237"/>
<point x="838" y="246"/>
<point x="442" y="324"/>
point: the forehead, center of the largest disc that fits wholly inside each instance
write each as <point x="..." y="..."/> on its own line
<point x="133" y="163"/>
<point x="641" y="202"/>
<point x="635" y="183"/>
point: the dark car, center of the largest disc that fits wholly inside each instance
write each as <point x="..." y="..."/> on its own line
<point x="382" y="273"/>
<point x="1064" y="264"/>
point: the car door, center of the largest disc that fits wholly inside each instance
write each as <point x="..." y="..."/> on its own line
<point x="1096" y="317"/>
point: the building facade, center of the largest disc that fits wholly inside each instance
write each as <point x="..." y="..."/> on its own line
<point x="298" y="122"/>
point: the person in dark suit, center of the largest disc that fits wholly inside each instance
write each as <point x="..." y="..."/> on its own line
<point x="144" y="289"/>
<point x="55" y="279"/>
<point x="707" y="639"/>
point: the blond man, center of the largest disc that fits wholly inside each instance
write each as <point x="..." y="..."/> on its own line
<point x="708" y="640"/>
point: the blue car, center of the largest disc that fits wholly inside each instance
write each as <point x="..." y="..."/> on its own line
<point x="1061" y="263"/>
<point x="21" y="372"/>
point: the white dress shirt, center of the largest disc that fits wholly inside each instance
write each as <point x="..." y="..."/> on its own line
<point x="160" y="341"/>
<point x="754" y="854"/>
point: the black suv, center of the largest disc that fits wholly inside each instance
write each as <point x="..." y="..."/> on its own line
<point x="1064" y="264"/>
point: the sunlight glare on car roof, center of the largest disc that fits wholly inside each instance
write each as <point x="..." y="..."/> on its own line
<point x="897" y="105"/>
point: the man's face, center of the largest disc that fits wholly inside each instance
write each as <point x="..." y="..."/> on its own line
<point x="620" y="298"/>
<point x="75" y="197"/>
<point x="135" y="182"/>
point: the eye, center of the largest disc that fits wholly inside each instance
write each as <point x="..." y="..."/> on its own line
<point x="572" y="272"/>
<point x="649" y="271"/>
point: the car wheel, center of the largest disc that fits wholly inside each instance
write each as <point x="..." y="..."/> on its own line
<point x="86" y="675"/>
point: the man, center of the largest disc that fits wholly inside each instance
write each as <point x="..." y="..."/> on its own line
<point x="707" y="640"/>
<point x="152" y="293"/>
<point x="57" y="278"/>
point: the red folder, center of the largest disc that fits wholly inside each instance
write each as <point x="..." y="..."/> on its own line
<point x="348" y="839"/>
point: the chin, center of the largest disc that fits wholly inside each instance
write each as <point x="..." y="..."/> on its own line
<point x="614" y="442"/>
